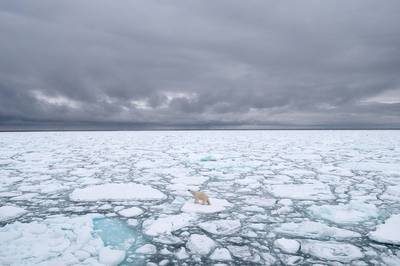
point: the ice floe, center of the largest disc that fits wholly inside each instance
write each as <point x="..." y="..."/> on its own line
<point x="147" y="249"/>
<point x="290" y="246"/>
<point x="353" y="212"/>
<point x="221" y="254"/>
<point x="167" y="224"/>
<point x="131" y="212"/>
<point x="391" y="193"/>
<point x="117" y="192"/>
<point x="313" y="191"/>
<point x="111" y="257"/>
<point x="10" y="212"/>
<point x="221" y="227"/>
<point x="388" y="232"/>
<point x="200" y="244"/>
<point x="217" y="205"/>
<point x="331" y="250"/>
<point x="310" y="229"/>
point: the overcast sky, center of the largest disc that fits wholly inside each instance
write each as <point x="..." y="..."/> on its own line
<point x="199" y="64"/>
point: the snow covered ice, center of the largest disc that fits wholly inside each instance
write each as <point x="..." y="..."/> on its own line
<point x="277" y="198"/>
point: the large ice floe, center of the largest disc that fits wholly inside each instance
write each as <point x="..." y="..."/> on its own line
<point x="10" y="212"/>
<point x="388" y="232"/>
<point x="167" y="224"/>
<point x="313" y="191"/>
<point x="330" y="250"/>
<point x="277" y="198"/>
<point x="315" y="230"/>
<point x="116" y="192"/>
<point x="353" y="212"/>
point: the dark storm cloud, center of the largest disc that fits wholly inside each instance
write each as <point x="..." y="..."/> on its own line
<point x="149" y="64"/>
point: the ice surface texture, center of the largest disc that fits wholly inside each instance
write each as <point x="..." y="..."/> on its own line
<point x="277" y="198"/>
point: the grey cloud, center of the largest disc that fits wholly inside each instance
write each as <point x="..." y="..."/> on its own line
<point x="197" y="64"/>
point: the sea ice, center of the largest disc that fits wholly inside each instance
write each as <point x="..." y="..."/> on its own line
<point x="147" y="249"/>
<point x="10" y="212"/>
<point x="181" y="254"/>
<point x="167" y="224"/>
<point x="331" y="250"/>
<point x="313" y="191"/>
<point x="217" y="205"/>
<point x="54" y="241"/>
<point x="221" y="227"/>
<point x="287" y="245"/>
<point x="116" y="192"/>
<point x="190" y="180"/>
<point x="221" y="254"/>
<point x="111" y="257"/>
<point x="316" y="230"/>
<point x="200" y="244"/>
<point x="388" y="232"/>
<point x="131" y="212"/>
<point x="391" y="193"/>
<point x="354" y="212"/>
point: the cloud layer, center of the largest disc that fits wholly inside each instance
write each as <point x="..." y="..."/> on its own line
<point x="199" y="64"/>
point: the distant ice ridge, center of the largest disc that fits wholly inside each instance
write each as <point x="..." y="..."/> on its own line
<point x="55" y="241"/>
<point x="117" y="192"/>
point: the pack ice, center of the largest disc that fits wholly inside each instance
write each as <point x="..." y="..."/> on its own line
<point x="277" y="198"/>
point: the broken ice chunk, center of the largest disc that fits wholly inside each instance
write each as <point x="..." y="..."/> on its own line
<point x="221" y="254"/>
<point x="221" y="227"/>
<point x="331" y="250"/>
<point x="200" y="244"/>
<point x="167" y="224"/>
<point x="287" y="245"/>
<point x="147" y="249"/>
<point x="131" y="212"/>
<point x="111" y="257"/>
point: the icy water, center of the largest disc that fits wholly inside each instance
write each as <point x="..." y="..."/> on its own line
<point x="277" y="198"/>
